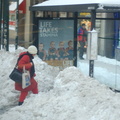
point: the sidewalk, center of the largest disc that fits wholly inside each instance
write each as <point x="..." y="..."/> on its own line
<point x="105" y="72"/>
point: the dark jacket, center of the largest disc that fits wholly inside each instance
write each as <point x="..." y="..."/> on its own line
<point x="82" y="34"/>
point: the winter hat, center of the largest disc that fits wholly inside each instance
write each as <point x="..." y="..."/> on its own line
<point x="32" y="49"/>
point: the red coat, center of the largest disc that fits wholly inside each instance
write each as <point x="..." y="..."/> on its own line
<point x="25" y="61"/>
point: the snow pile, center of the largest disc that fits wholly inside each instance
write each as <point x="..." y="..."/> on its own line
<point x="67" y="95"/>
<point x="45" y="76"/>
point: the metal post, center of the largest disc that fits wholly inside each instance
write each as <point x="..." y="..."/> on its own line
<point x="75" y="39"/>
<point x="0" y="22"/>
<point x="91" y="62"/>
<point x="6" y="24"/>
<point x="17" y="17"/>
<point x="35" y="30"/>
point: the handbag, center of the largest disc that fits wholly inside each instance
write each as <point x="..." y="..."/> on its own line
<point x="16" y="75"/>
<point x="25" y="78"/>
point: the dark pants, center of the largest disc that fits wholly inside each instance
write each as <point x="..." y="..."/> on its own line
<point x="81" y="50"/>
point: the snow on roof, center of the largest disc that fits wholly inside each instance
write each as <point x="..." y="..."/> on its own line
<point x="79" y="2"/>
<point x="78" y="5"/>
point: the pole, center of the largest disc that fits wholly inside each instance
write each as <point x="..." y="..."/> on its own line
<point x="35" y="30"/>
<point x="91" y="62"/>
<point x="6" y="24"/>
<point x="75" y="39"/>
<point x="0" y="22"/>
<point x="17" y="17"/>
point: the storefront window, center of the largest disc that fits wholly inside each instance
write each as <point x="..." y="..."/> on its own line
<point x="54" y="14"/>
<point x="70" y="14"/>
<point x="13" y="17"/>
<point x="62" y="14"/>
<point x="104" y="15"/>
<point x="87" y="22"/>
<point x="84" y="14"/>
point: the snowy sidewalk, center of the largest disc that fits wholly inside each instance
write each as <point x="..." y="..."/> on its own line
<point x="101" y="69"/>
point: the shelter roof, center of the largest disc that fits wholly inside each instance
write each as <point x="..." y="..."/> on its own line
<point x="78" y="6"/>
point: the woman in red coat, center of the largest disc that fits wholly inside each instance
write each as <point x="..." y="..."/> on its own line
<point x="27" y="62"/>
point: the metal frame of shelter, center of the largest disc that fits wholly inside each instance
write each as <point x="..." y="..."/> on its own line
<point x="75" y="8"/>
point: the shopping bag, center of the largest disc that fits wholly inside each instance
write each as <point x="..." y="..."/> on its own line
<point x="25" y="78"/>
<point x="16" y="75"/>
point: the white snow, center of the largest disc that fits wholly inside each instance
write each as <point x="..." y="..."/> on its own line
<point x="66" y="95"/>
<point x="79" y="2"/>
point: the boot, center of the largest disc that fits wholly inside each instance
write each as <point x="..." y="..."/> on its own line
<point x="20" y="103"/>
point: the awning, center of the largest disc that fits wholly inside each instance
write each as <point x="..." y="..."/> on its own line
<point x="77" y="5"/>
<point x="22" y="6"/>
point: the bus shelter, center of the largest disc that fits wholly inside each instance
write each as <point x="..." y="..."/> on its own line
<point x="109" y="38"/>
<point x="58" y="33"/>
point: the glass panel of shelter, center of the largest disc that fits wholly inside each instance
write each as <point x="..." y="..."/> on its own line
<point x="108" y="53"/>
<point x="107" y="48"/>
<point x="108" y="60"/>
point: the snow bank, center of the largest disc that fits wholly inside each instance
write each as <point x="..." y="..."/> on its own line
<point x="64" y="95"/>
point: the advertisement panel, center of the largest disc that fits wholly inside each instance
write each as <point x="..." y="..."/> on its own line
<point x="56" y="40"/>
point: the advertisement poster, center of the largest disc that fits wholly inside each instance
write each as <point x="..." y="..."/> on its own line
<point x="56" y="39"/>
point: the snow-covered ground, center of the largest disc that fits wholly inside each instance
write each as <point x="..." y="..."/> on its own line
<point x="106" y="71"/>
<point x="66" y="95"/>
